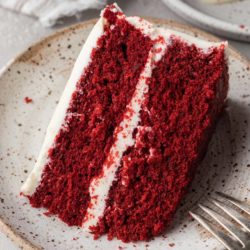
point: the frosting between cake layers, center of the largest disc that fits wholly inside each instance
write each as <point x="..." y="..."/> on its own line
<point x="100" y="186"/>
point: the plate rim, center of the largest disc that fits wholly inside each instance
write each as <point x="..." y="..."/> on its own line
<point x="6" y="229"/>
<point x="193" y="15"/>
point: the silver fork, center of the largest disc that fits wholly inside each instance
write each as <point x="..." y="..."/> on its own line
<point x="230" y="223"/>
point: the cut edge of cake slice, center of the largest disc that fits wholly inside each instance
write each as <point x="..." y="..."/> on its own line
<point x="100" y="185"/>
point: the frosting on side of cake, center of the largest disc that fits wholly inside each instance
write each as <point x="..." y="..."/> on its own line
<point x="57" y="120"/>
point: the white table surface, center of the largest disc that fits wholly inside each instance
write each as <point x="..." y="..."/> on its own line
<point x="19" y="31"/>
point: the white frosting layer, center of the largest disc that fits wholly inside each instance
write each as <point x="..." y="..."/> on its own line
<point x="100" y="187"/>
<point x="58" y="118"/>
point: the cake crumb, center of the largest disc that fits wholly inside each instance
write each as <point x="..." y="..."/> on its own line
<point x="28" y="100"/>
<point x="171" y="244"/>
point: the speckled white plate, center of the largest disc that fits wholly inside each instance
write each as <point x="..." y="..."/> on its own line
<point x="231" y="19"/>
<point x="41" y="73"/>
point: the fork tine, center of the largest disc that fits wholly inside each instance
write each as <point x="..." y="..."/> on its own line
<point x="226" y="224"/>
<point x="235" y="215"/>
<point x="242" y="205"/>
<point x="228" y="242"/>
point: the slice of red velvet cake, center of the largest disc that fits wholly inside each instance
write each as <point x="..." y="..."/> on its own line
<point x="133" y="123"/>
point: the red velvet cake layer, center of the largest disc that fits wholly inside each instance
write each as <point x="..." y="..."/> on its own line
<point x="186" y="96"/>
<point x="96" y="109"/>
<point x="137" y="125"/>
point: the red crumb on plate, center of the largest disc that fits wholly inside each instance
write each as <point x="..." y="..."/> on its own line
<point x="28" y="100"/>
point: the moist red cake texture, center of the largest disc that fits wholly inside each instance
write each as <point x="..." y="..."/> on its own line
<point x="96" y="109"/>
<point x="186" y="95"/>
